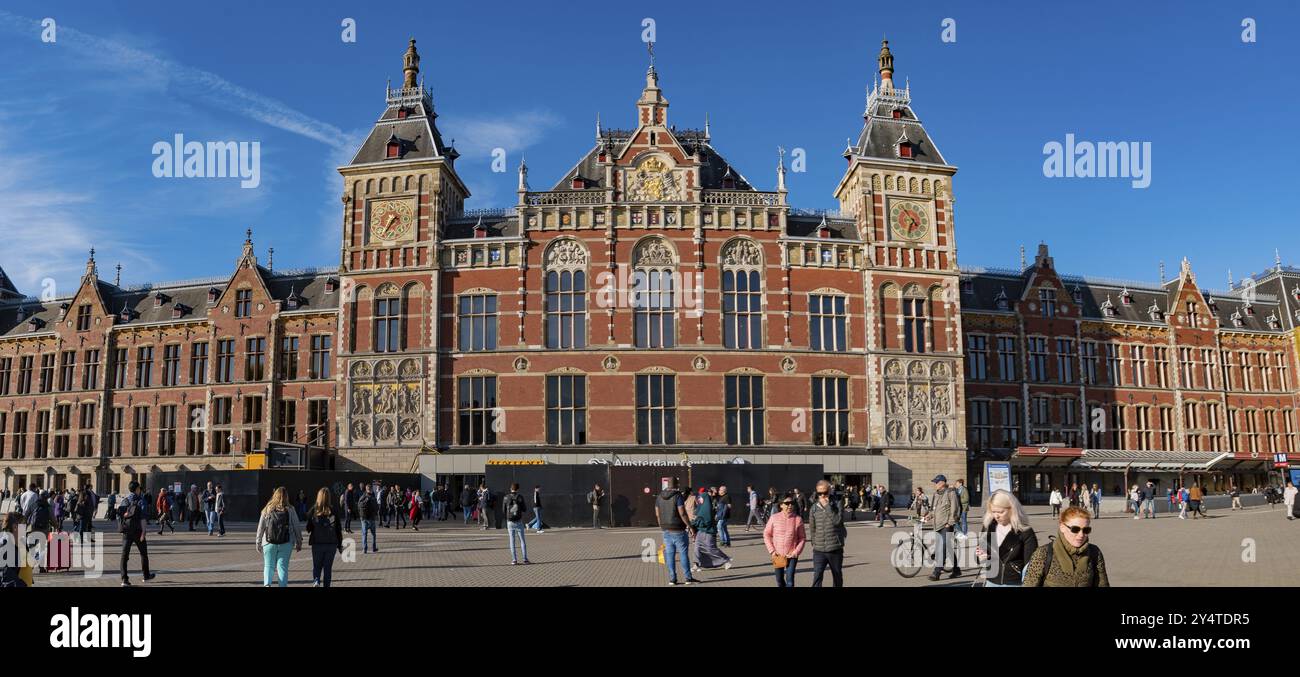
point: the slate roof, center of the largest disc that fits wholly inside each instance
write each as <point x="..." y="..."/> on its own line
<point x="807" y="226"/>
<point x="881" y="132"/>
<point x="417" y="132"/>
<point x="308" y="285"/>
<point x="462" y="227"/>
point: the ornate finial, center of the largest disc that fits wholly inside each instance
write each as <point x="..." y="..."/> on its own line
<point x="780" y="168"/>
<point x="1230" y="283"/>
<point x="650" y="47"/>
<point x="247" y="257"/>
<point x="523" y="174"/>
<point x="117" y="279"/>
<point x="1186" y="271"/>
<point x="91" y="269"/>
<point x="1162" y="272"/>
<point x="598" y="125"/>
<point x="706" y="125"/>
<point x="886" y="62"/>
<point x="410" y="65"/>
<point x="1022" y="257"/>
<point x="248" y="236"/>
<point x="1277" y="258"/>
<point x="270" y="258"/>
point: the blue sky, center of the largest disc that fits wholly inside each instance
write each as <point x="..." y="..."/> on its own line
<point x="78" y="117"/>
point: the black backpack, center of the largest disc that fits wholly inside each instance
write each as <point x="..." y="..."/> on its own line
<point x="127" y="516"/>
<point x="278" y="533"/>
<point x="514" y="507"/>
<point x="363" y="504"/>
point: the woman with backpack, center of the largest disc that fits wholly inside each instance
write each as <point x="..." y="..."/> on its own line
<point x="1069" y="560"/>
<point x="278" y="530"/>
<point x="416" y="509"/>
<point x="325" y="536"/>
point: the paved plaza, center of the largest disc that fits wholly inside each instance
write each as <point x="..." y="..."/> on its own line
<point x="1161" y="552"/>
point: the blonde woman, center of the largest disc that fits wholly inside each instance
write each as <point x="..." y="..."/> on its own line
<point x="277" y="530"/>
<point x="1007" y="534"/>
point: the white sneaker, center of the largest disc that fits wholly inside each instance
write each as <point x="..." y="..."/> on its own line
<point x="727" y="565"/>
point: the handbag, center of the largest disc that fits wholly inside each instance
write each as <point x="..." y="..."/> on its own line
<point x="779" y="561"/>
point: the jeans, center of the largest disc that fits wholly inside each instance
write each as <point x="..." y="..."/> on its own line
<point x="537" y="519"/>
<point x="513" y="528"/>
<point x="785" y="577"/>
<point x="322" y="562"/>
<point x="835" y="560"/>
<point x="469" y="510"/>
<point x="961" y="520"/>
<point x="368" y="530"/>
<point x="675" y="545"/>
<point x="595" y="517"/>
<point x="1149" y="505"/>
<point x="212" y="520"/>
<point x="137" y="540"/>
<point x="276" y="555"/>
<point x="724" y="537"/>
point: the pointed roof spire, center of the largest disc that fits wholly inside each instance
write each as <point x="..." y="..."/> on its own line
<point x="270" y="258"/>
<point x="1230" y="282"/>
<point x="780" y="168"/>
<point x="247" y="257"/>
<point x="598" y="125"/>
<point x="1277" y="258"/>
<point x="523" y="174"/>
<point x="1022" y="257"/>
<point x="886" y="62"/>
<point x="1186" y="272"/>
<point x="92" y="271"/>
<point x="410" y="66"/>
<point x="706" y="125"/>
<point x="117" y="279"/>
<point x="1162" y="272"/>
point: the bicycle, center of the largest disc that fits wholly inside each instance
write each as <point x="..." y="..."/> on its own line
<point x="911" y="552"/>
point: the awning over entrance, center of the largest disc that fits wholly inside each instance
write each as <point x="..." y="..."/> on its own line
<point x="1119" y="460"/>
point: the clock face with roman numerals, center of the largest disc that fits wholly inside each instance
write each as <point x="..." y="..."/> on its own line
<point x="391" y="220"/>
<point x="909" y="220"/>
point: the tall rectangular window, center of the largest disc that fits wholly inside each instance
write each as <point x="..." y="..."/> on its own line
<point x="1118" y="426"/>
<point x="167" y="429"/>
<point x="1167" y="428"/>
<point x="243" y="302"/>
<point x="195" y="427"/>
<point x="318" y="423"/>
<point x="25" y="364"/>
<point x="320" y="356"/>
<point x="476" y="404"/>
<point x="225" y="361"/>
<point x="1211" y="366"/>
<point x="827" y="323"/>
<point x="199" y="363"/>
<point x="1283" y="381"/>
<point x="62" y="428"/>
<point x="979" y="425"/>
<point x="1247" y="371"/>
<point x="140" y="431"/>
<point x="565" y="305"/>
<point x="287" y="360"/>
<point x="1047" y="299"/>
<point x="742" y="310"/>
<point x="286" y="428"/>
<point x="1041" y="412"/>
<point x="1010" y="420"/>
<point x="4" y="419"/>
<point x="252" y="417"/>
<point x="914" y="325"/>
<point x="67" y="369"/>
<point x="171" y="374"/>
<point x="42" y="434"/>
<point x="90" y="372"/>
<point x="1065" y="358"/>
<point x="1007" y="358"/>
<point x="1069" y="422"/>
<point x="744" y="410"/>
<point x="6" y="374"/>
<point x="1142" y="418"/>
<point x="830" y="411"/>
<point x="1089" y="349"/>
<point x="116" y="424"/>
<point x="1112" y="364"/>
<point x="566" y="409"/>
<point x="47" y="372"/>
<point x="653" y="310"/>
<point x="388" y="325"/>
<point x="255" y="359"/>
<point x="977" y="357"/>
<point x="143" y="366"/>
<point x="656" y="409"/>
<point x="477" y="320"/>
<point x="221" y="415"/>
<point x="83" y="317"/>
<point x="1186" y="368"/>
<point x="20" y="435"/>
<point x="1161" y="356"/>
<point x="1037" y="359"/>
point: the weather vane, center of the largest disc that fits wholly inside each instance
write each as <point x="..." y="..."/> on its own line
<point x="650" y="47"/>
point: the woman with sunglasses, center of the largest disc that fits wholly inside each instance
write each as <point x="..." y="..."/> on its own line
<point x="784" y="537"/>
<point x="1069" y="561"/>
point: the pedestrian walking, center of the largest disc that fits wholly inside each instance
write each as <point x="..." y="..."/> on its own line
<point x="485" y="503"/>
<point x="1180" y="498"/>
<point x="920" y="504"/>
<point x="346" y="503"/>
<point x="827" y="532"/>
<point x="536" y="524"/>
<point x="708" y="554"/>
<point x="131" y="526"/>
<point x="1055" y="501"/>
<point x="13" y="573"/>
<point x="367" y="511"/>
<point x="944" y="512"/>
<point x="1095" y="495"/>
<point x="325" y="536"/>
<point x="853" y="498"/>
<point x="1235" y="493"/>
<point x="416" y="509"/>
<point x="691" y="503"/>
<point x="884" y="502"/>
<point x="670" y="512"/>
<point x="755" y="510"/>
<point x="724" y="515"/>
<point x="1069" y="560"/>
<point x="785" y="537"/>
<point x="1194" y="498"/>
<point x="1288" y="499"/>
<point x="1135" y="499"/>
<point x="165" y="511"/>
<point x="963" y="500"/>
<point x="467" y="503"/>
<point x="86" y="512"/>
<point x="210" y="507"/>
<point x="594" y="497"/>
<point x="1149" y="499"/>
<point x="515" y="509"/>
<point x="192" y="504"/>
<point x="278" y="534"/>
<point x="397" y="506"/>
<point x="1007" y="535"/>
<point x="220" y="510"/>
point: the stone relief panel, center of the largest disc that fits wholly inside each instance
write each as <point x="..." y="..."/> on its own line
<point x="385" y="402"/>
<point x="918" y="396"/>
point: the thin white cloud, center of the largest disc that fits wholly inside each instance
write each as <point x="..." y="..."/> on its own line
<point x="477" y="137"/>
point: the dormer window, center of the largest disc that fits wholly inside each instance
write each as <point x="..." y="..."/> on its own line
<point x="159" y="299"/>
<point x="1126" y="297"/>
<point x="968" y="286"/>
<point x="1077" y="294"/>
<point x="330" y="285"/>
<point x="1108" y="308"/>
<point x="180" y="310"/>
<point x="1156" y="314"/>
<point x="897" y="114"/>
<point x="905" y="150"/>
<point x="35" y="324"/>
<point x="728" y="181"/>
<point x="1250" y="310"/>
<point x="213" y="293"/>
<point x="578" y="182"/>
<point x="63" y="309"/>
<point x="294" y="301"/>
<point x="1272" y="321"/>
<point x="1000" y="301"/>
<point x="394" y="147"/>
<point x="1237" y="320"/>
<point x="1295" y="292"/>
<point x="903" y="147"/>
<point x="126" y="315"/>
<point x="403" y="113"/>
<point x="1212" y="305"/>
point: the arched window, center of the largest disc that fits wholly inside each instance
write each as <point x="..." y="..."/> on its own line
<point x="566" y="294"/>
<point x="653" y="310"/>
<point x="914" y="314"/>
<point x="388" y="319"/>
<point x="742" y="295"/>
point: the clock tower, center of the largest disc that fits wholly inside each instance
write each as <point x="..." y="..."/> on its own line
<point x="898" y="189"/>
<point x="399" y="191"/>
